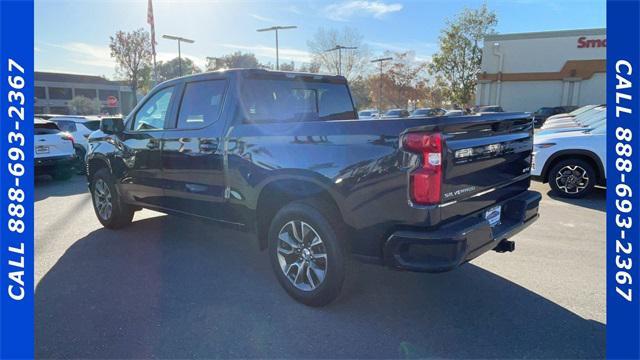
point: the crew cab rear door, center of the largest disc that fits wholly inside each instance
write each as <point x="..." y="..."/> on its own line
<point x="192" y="151"/>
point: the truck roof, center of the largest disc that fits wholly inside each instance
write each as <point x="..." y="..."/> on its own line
<point x="269" y="73"/>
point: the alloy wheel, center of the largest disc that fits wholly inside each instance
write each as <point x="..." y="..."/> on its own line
<point x="302" y="255"/>
<point x="102" y="199"/>
<point x="572" y="179"/>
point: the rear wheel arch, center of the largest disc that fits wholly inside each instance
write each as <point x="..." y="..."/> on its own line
<point x="279" y="193"/>
<point x="584" y="155"/>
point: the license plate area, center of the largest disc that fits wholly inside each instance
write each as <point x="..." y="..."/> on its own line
<point x="42" y="149"/>
<point x="493" y="215"/>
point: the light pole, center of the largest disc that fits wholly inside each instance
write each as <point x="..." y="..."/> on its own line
<point x="339" y="48"/>
<point x="380" y="61"/>
<point x="179" y="40"/>
<point x="276" y="28"/>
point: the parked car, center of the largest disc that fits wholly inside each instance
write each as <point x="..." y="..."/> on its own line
<point x="274" y="153"/>
<point x="571" y="114"/>
<point x="396" y="113"/>
<point x="54" y="153"/>
<point x="427" y="112"/>
<point x="368" y="114"/>
<point x="572" y="162"/>
<point x="586" y="119"/>
<point x="453" y="112"/>
<point x="489" y="109"/>
<point x="80" y="127"/>
<point x="541" y="115"/>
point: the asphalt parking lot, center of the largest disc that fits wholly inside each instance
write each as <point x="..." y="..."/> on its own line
<point x="169" y="287"/>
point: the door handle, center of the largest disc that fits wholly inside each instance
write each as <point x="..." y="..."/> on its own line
<point x="208" y="147"/>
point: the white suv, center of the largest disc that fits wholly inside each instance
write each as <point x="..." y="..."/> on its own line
<point x="54" y="152"/>
<point x="572" y="162"/>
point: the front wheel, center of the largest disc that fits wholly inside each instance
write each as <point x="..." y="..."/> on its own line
<point x="572" y="178"/>
<point x="307" y="253"/>
<point x="109" y="208"/>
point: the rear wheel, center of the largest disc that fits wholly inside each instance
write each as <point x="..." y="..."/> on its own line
<point x="307" y="254"/>
<point x="109" y="208"/>
<point x="572" y="178"/>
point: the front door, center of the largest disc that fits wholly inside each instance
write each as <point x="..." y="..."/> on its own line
<point x="141" y="146"/>
<point x="192" y="155"/>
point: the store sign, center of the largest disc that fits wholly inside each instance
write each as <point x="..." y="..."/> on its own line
<point x="583" y="43"/>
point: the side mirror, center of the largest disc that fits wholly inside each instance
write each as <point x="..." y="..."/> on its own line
<point x="112" y="125"/>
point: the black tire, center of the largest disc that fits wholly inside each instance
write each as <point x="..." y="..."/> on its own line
<point x="316" y="218"/>
<point x="62" y="173"/>
<point x="121" y="214"/>
<point x="572" y="178"/>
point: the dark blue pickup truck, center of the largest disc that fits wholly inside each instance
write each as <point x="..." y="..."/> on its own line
<point x="283" y="155"/>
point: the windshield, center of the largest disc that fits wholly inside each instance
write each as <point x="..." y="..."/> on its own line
<point x="365" y="113"/>
<point x="393" y="113"/>
<point x="591" y="116"/>
<point x="581" y="110"/>
<point x="544" y="111"/>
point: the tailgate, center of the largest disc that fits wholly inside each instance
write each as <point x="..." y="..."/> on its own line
<point x="50" y="145"/>
<point x="481" y="156"/>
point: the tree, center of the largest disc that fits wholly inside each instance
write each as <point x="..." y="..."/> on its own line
<point x="457" y="64"/>
<point x="132" y="52"/>
<point x="312" y="67"/>
<point x="236" y="60"/>
<point x="354" y="62"/>
<point x="403" y="79"/>
<point x="361" y="92"/>
<point x="81" y="105"/>
<point x="171" y="69"/>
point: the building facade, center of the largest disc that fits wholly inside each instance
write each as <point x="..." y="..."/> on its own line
<point x="526" y="71"/>
<point x="53" y="91"/>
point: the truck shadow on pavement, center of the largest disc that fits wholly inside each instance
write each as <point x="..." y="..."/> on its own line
<point x="175" y="288"/>
<point x="45" y="187"/>
<point x="596" y="200"/>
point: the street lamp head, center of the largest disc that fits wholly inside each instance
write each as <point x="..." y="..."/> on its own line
<point x="382" y="59"/>
<point x="273" y="28"/>
<point x="178" y="38"/>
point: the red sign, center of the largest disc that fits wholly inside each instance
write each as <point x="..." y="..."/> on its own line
<point x="112" y="101"/>
<point x="584" y="43"/>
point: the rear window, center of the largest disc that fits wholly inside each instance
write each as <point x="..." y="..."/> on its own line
<point x="274" y="100"/>
<point x="45" y="129"/>
<point x="92" y="125"/>
<point x="66" y="125"/>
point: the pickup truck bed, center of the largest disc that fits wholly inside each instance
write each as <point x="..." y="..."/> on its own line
<point x="279" y="154"/>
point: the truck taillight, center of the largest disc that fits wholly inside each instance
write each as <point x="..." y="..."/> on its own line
<point x="425" y="182"/>
<point x="67" y="136"/>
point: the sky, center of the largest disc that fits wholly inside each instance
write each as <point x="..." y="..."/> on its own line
<point x="72" y="36"/>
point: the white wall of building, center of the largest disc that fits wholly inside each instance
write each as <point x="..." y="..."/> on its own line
<point x="546" y="52"/>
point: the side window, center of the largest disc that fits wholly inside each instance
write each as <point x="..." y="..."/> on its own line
<point x="152" y="114"/>
<point x="201" y="104"/>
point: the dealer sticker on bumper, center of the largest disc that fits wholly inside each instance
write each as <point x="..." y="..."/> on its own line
<point x="493" y="215"/>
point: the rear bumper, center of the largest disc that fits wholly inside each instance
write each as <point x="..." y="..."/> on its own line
<point x="450" y="246"/>
<point x="55" y="162"/>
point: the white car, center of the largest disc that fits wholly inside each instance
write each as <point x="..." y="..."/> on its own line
<point x="54" y="153"/>
<point x="572" y="162"/>
<point x="368" y="114"/>
<point x="80" y="127"/>
<point x="576" y="115"/>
